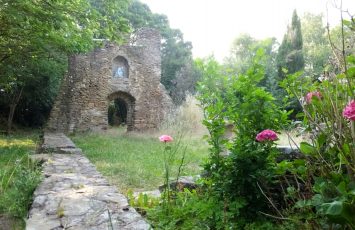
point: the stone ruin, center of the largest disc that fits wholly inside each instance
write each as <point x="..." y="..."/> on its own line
<point x="127" y="75"/>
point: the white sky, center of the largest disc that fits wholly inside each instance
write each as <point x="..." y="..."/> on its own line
<point x="212" y="25"/>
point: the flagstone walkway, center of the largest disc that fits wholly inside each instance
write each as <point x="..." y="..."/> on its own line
<point x="74" y="195"/>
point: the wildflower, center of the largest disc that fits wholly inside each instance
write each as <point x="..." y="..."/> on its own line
<point x="266" y="135"/>
<point x="165" y="138"/>
<point x="310" y="95"/>
<point x="349" y="111"/>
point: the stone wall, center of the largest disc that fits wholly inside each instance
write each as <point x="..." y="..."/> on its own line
<point x="96" y="78"/>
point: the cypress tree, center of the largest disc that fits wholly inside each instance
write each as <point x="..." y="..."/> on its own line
<point x="290" y="58"/>
<point x="290" y="55"/>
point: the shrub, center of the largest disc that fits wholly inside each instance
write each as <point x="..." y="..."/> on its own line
<point x="330" y="155"/>
<point x="17" y="198"/>
<point x="19" y="175"/>
<point x="239" y="179"/>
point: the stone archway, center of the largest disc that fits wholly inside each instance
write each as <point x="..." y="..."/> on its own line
<point x="125" y="104"/>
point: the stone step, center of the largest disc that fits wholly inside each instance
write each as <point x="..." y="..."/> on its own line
<point x="55" y="141"/>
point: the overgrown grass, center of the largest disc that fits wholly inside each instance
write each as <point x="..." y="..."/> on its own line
<point x="134" y="161"/>
<point x="19" y="176"/>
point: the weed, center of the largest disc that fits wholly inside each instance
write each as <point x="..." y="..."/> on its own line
<point x="19" y="175"/>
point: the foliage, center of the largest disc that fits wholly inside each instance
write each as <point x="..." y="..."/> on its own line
<point x="312" y="189"/>
<point x="35" y="38"/>
<point x="40" y="79"/>
<point x="177" y="60"/>
<point x="142" y="202"/>
<point x="330" y="154"/>
<point x="238" y="100"/>
<point x="231" y="195"/>
<point x="185" y="82"/>
<point x="191" y="210"/>
<point x="290" y="55"/>
<point x="316" y="47"/>
<point x="331" y="162"/>
<point x="170" y="154"/>
<point x="290" y="59"/>
<point x="17" y="195"/>
<point x="244" y="50"/>
<point x="19" y="175"/>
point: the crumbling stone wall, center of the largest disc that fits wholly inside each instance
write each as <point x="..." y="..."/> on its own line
<point x="129" y="72"/>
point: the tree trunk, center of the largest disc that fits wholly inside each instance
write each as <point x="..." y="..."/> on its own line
<point x="15" y="101"/>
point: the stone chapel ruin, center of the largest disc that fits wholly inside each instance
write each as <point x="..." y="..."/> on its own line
<point x="127" y="76"/>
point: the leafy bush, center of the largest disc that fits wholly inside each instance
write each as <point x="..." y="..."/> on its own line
<point x="329" y="170"/>
<point x="245" y="185"/>
<point x="19" y="175"/>
<point x="17" y="197"/>
<point x="192" y="210"/>
<point x="238" y="100"/>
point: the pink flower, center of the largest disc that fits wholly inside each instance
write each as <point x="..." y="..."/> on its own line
<point x="266" y="135"/>
<point x="349" y="111"/>
<point x="165" y="138"/>
<point x="310" y="95"/>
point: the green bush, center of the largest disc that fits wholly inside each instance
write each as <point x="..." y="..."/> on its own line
<point x="16" y="199"/>
<point x="19" y="175"/>
<point x="239" y="179"/>
<point x="191" y="210"/>
<point x="328" y="170"/>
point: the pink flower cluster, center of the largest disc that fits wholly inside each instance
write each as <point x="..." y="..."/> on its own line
<point x="349" y="111"/>
<point x="266" y="135"/>
<point x="165" y="138"/>
<point x="310" y="95"/>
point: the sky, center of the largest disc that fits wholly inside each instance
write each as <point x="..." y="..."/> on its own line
<point x="212" y="25"/>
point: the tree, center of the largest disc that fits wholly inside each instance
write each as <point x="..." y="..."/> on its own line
<point x="35" y="35"/>
<point x="176" y="53"/>
<point x="243" y="53"/>
<point x="185" y="82"/>
<point x="290" y="54"/>
<point x="316" y="47"/>
<point x="290" y="60"/>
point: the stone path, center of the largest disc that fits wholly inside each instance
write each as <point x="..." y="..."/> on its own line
<point x="73" y="195"/>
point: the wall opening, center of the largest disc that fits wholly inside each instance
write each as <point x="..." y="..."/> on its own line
<point x="117" y="113"/>
<point x="120" y="68"/>
<point x="121" y="110"/>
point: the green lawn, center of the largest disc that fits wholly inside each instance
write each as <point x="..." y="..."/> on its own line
<point x="19" y="176"/>
<point x="135" y="161"/>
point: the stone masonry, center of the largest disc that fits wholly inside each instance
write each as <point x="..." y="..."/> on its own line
<point x="130" y="73"/>
<point x="73" y="195"/>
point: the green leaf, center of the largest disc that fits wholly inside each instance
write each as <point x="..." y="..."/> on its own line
<point x="342" y="187"/>
<point x="351" y="72"/>
<point x="346" y="149"/>
<point x="322" y="138"/>
<point x="335" y="208"/>
<point x="307" y="148"/>
<point x="351" y="59"/>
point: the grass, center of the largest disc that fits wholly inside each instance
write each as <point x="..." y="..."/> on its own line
<point x="19" y="176"/>
<point x="134" y="161"/>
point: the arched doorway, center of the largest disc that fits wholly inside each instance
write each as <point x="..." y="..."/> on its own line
<point x="121" y="110"/>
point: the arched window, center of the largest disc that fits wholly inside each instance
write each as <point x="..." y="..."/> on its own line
<point x="120" y="67"/>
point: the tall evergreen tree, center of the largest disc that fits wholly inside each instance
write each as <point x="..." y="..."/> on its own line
<point x="290" y="55"/>
<point x="290" y="59"/>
